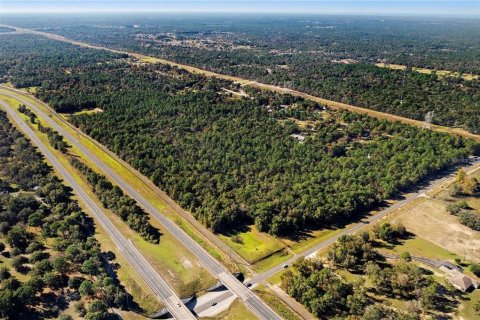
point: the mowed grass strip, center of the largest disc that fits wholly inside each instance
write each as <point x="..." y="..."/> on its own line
<point x="272" y="261"/>
<point x="132" y="179"/>
<point x="467" y="308"/>
<point x="276" y="304"/>
<point x="134" y="284"/>
<point x="177" y="266"/>
<point x="236" y="311"/>
<point x="417" y="246"/>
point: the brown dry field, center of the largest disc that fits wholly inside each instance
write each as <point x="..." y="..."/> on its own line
<point x="429" y="219"/>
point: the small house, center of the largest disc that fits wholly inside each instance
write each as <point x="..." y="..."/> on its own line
<point x="461" y="281"/>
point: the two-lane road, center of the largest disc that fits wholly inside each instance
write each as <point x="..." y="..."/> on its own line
<point x="174" y="305"/>
<point x="472" y="167"/>
<point x="251" y="300"/>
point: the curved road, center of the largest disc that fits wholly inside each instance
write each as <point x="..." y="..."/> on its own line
<point x="174" y="305"/>
<point x="254" y="303"/>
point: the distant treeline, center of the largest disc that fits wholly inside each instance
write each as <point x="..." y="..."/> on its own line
<point x="229" y="160"/>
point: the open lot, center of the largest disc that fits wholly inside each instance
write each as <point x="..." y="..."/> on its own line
<point x="428" y="218"/>
<point x="441" y="73"/>
<point x="236" y="311"/>
<point x="253" y="245"/>
<point x="178" y="266"/>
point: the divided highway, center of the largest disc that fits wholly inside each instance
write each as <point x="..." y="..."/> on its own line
<point x="209" y="262"/>
<point x="173" y="303"/>
<point x="254" y="303"/>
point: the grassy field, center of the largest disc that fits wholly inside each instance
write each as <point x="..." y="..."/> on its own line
<point x="311" y="239"/>
<point x="295" y="246"/>
<point x="252" y="245"/>
<point x="236" y="311"/>
<point x="271" y="261"/>
<point x="428" y="218"/>
<point x="7" y="262"/>
<point x="177" y="266"/>
<point x="467" y="311"/>
<point x="276" y="304"/>
<point x="32" y="90"/>
<point x="418" y="246"/>
<point x="276" y="279"/>
<point x="132" y="177"/>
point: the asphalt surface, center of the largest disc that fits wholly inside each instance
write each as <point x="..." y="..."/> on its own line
<point x="134" y="257"/>
<point x="359" y="226"/>
<point x="332" y="104"/>
<point x="251" y="300"/>
<point x="473" y="166"/>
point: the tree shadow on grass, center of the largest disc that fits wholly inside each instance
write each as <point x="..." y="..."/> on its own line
<point x="234" y="231"/>
<point x="447" y="301"/>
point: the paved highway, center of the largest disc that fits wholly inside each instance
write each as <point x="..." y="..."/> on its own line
<point x="134" y="257"/>
<point x="257" y="306"/>
<point x="217" y="269"/>
<point x="269" y="87"/>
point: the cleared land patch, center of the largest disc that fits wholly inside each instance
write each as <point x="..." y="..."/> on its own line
<point x="428" y="218"/>
<point x="253" y="245"/>
<point x="441" y="73"/>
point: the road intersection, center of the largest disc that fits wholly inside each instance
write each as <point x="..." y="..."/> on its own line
<point x="254" y="303"/>
<point x="237" y="288"/>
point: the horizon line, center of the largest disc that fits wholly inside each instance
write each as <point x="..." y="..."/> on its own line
<point x="237" y="12"/>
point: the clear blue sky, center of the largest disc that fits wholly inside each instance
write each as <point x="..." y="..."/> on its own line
<point x="409" y="7"/>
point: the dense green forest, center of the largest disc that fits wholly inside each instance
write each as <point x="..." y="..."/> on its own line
<point x="49" y="256"/>
<point x="278" y="161"/>
<point x="331" y="57"/>
<point x="27" y="60"/>
<point x="322" y="286"/>
<point x="113" y="198"/>
<point x="229" y="160"/>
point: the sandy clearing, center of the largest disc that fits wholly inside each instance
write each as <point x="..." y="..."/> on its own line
<point x="430" y="220"/>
